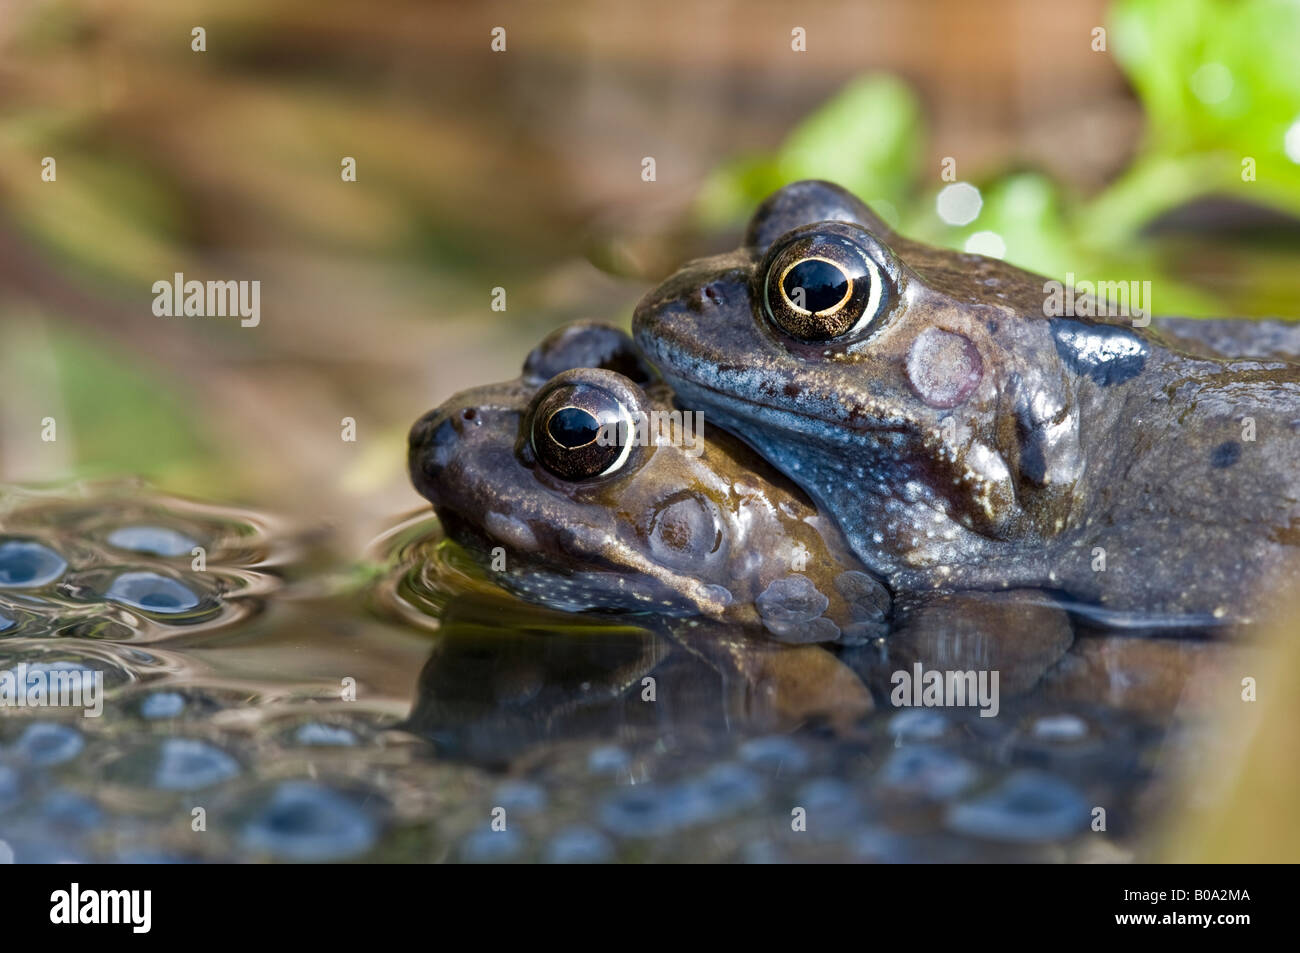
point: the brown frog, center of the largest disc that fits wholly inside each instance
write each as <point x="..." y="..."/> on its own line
<point x="687" y="526"/>
<point x="582" y="488"/>
<point x="965" y="435"/>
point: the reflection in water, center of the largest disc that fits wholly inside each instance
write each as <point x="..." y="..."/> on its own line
<point x="744" y="738"/>
<point x="266" y="703"/>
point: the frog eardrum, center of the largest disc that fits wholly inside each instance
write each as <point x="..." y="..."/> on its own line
<point x="822" y="283"/>
<point x="580" y="429"/>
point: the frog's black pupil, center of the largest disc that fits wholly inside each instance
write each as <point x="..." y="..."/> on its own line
<point x="824" y="285"/>
<point x="572" y="427"/>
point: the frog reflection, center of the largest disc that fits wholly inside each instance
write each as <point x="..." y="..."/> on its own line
<point x="505" y="679"/>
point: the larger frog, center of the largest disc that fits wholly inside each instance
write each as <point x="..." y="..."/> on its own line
<point x="965" y="436"/>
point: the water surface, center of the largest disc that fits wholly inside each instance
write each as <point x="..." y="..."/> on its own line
<point x="266" y="699"/>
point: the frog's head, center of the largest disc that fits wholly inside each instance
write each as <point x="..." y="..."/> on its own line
<point x="924" y="387"/>
<point x="588" y="490"/>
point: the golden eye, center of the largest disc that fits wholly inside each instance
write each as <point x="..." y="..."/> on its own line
<point x="580" y="431"/>
<point x="819" y="286"/>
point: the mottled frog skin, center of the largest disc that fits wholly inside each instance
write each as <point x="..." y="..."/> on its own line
<point x="697" y="527"/>
<point x="964" y="435"/>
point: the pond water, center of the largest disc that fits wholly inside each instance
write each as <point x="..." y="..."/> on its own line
<point x="263" y="699"/>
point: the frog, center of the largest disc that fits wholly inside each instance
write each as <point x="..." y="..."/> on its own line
<point x="581" y="488"/>
<point x="967" y="432"/>
<point x="717" y="547"/>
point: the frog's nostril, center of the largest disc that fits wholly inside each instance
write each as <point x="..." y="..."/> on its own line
<point x="712" y="295"/>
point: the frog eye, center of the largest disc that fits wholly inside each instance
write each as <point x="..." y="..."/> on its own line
<point x="822" y="286"/>
<point x="580" y="431"/>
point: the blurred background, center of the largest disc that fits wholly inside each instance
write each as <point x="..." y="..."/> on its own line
<point x="1108" y="140"/>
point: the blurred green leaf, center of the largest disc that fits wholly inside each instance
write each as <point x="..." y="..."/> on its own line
<point x="866" y="138"/>
<point x="1025" y="210"/>
<point x="1212" y="74"/>
<point x="1219" y="84"/>
<point x="123" y="420"/>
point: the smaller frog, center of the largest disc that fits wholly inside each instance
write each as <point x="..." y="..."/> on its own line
<point x="583" y="488"/>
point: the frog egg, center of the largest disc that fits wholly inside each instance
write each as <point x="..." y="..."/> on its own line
<point x="69" y="812"/>
<point x="775" y="753"/>
<point x="646" y="810"/>
<point x="520" y="797"/>
<point x="25" y="563"/>
<point x="175" y="764"/>
<point x="47" y="743"/>
<point x="1064" y="727"/>
<point x="151" y="592"/>
<point x="918" y="724"/>
<point x="162" y="705"/>
<point x="1028" y="807"/>
<point x="579" y="845"/>
<point x="306" y="821"/>
<point x="927" y="772"/>
<point x="608" y="759"/>
<point x="152" y="540"/>
<point x="319" y="734"/>
<point x="723" y="790"/>
<point x="832" y="806"/>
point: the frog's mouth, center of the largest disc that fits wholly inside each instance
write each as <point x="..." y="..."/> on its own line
<point x="889" y="450"/>
<point x="580" y="568"/>
<point x="839" y="431"/>
<point x="889" y="435"/>
<point x="692" y="378"/>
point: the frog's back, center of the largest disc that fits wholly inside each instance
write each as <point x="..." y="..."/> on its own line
<point x="1264" y="339"/>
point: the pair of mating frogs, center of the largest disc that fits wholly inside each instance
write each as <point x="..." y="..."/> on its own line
<point x="888" y="425"/>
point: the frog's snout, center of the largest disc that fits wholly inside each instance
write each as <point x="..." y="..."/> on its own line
<point x="432" y="445"/>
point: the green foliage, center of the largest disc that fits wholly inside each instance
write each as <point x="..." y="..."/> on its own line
<point x="126" y="420"/>
<point x="1219" y="86"/>
<point x="866" y="138"/>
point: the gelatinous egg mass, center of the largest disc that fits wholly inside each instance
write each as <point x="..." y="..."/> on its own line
<point x="27" y="563"/>
<point x="151" y="592"/>
<point x="153" y="540"/>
